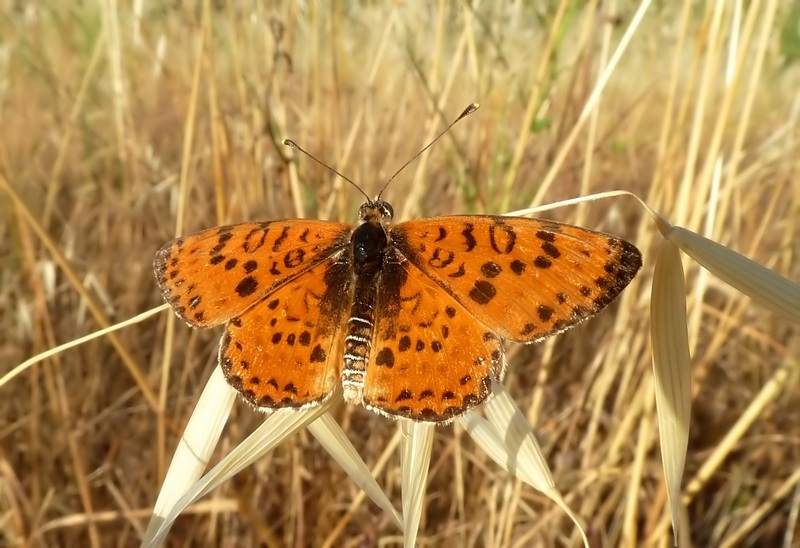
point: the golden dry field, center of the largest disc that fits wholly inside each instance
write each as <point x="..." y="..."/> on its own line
<point x="127" y="123"/>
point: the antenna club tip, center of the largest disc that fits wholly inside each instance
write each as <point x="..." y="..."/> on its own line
<point x="289" y="143"/>
<point x="467" y="111"/>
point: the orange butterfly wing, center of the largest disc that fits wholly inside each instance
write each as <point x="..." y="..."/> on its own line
<point x="214" y="275"/>
<point x="286" y="351"/>
<point x="430" y="359"/>
<point x="524" y="279"/>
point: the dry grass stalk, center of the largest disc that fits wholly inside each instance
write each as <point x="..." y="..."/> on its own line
<point x="124" y="124"/>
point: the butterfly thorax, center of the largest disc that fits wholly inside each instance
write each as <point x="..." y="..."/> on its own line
<point x="369" y="245"/>
<point x="370" y="248"/>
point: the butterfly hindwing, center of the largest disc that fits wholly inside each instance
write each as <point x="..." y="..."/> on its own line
<point x="430" y="360"/>
<point x="215" y="275"/>
<point x="286" y="351"/>
<point x="524" y="278"/>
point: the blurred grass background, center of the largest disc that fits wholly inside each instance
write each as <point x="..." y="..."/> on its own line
<point x="125" y="123"/>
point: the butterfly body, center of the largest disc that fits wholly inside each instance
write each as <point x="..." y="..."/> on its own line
<point x="370" y="250"/>
<point x="408" y="318"/>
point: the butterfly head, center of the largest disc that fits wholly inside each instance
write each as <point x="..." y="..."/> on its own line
<point x="376" y="211"/>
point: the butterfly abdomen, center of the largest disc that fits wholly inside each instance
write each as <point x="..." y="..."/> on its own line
<point x="357" y="341"/>
<point x="369" y="244"/>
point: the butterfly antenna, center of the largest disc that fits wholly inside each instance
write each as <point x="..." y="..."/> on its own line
<point x="467" y="111"/>
<point x="292" y="144"/>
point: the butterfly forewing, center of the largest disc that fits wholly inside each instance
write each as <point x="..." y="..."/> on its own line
<point x="523" y="278"/>
<point x="215" y="275"/>
<point x="286" y="351"/>
<point x="430" y="360"/>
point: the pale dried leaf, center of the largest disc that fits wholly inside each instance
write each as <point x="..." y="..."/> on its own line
<point x="762" y="284"/>
<point x="672" y="368"/>
<point x="273" y="431"/>
<point x="415" y="460"/>
<point x="331" y="436"/>
<point x="194" y="448"/>
<point x="524" y="457"/>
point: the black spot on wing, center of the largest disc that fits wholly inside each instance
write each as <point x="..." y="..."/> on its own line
<point x="545" y="312"/>
<point x="385" y="357"/>
<point x="469" y="238"/>
<point x="546" y="236"/>
<point x="281" y="238"/>
<point x="490" y="269"/>
<point x="247" y="286"/>
<point x="482" y="292"/>
<point x="551" y="250"/>
<point x="317" y="355"/>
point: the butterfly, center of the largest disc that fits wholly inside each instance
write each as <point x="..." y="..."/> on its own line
<point x="409" y="319"/>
